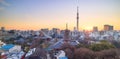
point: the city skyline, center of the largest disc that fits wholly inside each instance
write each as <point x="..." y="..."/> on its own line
<point x="37" y="14"/>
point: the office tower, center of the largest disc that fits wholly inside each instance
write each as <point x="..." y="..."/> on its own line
<point x="95" y="29"/>
<point x="111" y="28"/>
<point x="108" y="27"/>
<point x="2" y="28"/>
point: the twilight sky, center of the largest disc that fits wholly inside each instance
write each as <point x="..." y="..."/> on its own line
<point x="37" y="14"/>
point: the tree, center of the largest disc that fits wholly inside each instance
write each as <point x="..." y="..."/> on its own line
<point x="109" y="54"/>
<point x="98" y="55"/>
<point x="83" y="53"/>
<point x="69" y="50"/>
<point x="116" y="44"/>
<point x="101" y="46"/>
<point x="69" y="53"/>
<point x="40" y="53"/>
<point x="82" y="45"/>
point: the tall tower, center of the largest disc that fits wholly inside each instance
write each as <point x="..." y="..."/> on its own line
<point x="77" y="18"/>
<point x="67" y="34"/>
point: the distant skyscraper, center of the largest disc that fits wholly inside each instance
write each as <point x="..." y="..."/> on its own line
<point x="2" y="28"/>
<point x="95" y="29"/>
<point x="111" y="28"/>
<point x="108" y="27"/>
<point x="66" y="26"/>
<point x="67" y="34"/>
<point x="77" y="18"/>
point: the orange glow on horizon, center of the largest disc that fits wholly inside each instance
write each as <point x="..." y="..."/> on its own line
<point x="89" y="28"/>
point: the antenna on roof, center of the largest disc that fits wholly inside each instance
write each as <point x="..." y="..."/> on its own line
<point x="66" y="25"/>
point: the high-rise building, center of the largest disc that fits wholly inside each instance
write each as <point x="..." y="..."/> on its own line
<point x="108" y="27"/>
<point x="77" y="18"/>
<point x="67" y="34"/>
<point x="111" y="28"/>
<point x="95" y="28"/>
<point x="2" y="28"/>
<point x="45" y="30"/>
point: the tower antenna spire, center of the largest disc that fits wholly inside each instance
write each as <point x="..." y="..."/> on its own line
<point x="77" y="16"/>
<point x="66" y="25"/>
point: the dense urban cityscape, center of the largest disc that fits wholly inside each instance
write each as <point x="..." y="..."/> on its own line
<point x="57" y="43"/>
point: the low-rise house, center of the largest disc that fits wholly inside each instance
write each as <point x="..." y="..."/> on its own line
<point x="15" y="49"/>
<point x="61" y="55"/>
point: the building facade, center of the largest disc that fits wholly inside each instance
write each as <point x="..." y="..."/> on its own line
<point x="108" y="27"/>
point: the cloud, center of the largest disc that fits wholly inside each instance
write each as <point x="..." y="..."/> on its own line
<point x="1" y="8"/>
<point x="3" y="2"/>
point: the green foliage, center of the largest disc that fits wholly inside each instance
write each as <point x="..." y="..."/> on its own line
<point x="104" y="41"/>
<point x="26" y="49"/>
<point x="101" y="46"/>
<point x="82" y="45"/>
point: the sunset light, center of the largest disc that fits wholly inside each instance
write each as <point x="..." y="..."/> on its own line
<point x="59" y="29"/>
<point x="88" y="28"/>
<point x="37" y="14"/>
